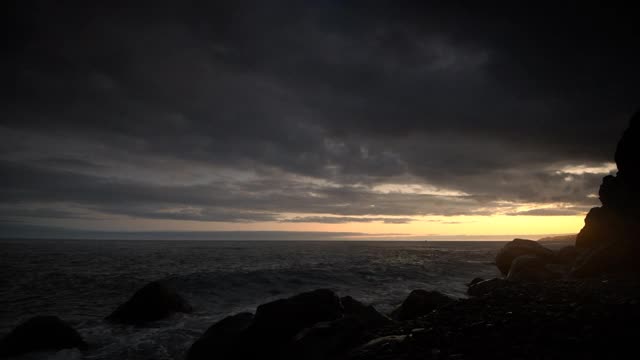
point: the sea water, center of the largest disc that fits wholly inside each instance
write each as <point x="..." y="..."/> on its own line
<point x="82" y="281"/>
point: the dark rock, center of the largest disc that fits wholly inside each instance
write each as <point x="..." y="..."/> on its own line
<point x="610" y="238"/>
<point x="601" y="225"/>
<point x="326" y="340"/>
<point x="475" y="281"/>
<point x="41" y="333"/>
<point x="154" y="301"/>
<point x="271" y="333"/>
<point x="530" y="268"/>
<point x="566" y="255"/>
<point x="282" y="319"/>
<point x="486" y="287"/>
<point x="365" y="314"/>
<point x="614" y="192"/>
<point x="222" y="339"/>
<point x="419" y="303"/>
<point x="330" y="339"/>
<point x="627" y="154"/>
<point x="380" y="348"/>
<point x="519" y="247"/>
<point x="608" y="258"/>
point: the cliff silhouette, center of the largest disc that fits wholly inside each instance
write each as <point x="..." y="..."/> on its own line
<point x="609" y="240"/>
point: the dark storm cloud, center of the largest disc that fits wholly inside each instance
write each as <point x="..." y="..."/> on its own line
<point x="159" y="109"/>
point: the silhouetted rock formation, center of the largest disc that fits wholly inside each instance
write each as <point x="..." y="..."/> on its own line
<point x="154" y="301"/>
<point x="41" y="333"/>
<point x="519" y="247"/>
<point x="609" y="240"/>
<point x="568" y="318"/>
<point x="558" y="319"/>
<point x="419" y="303"/>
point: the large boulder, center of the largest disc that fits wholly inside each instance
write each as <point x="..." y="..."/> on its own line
<point x="519" y="247"/>
<point x="419" y="303"/>
<point x="272" y="332"/>
<point x="326" y="340"/>
<point x="282" y="319"/>
<point x="154" y="301"/>
<point x="41" y="333"/>
<point x="329" y="340"/>
<point x="531" y="268"/>
<point x="223" y="339"/>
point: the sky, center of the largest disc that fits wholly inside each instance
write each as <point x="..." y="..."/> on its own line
<point x="310" y="119"/>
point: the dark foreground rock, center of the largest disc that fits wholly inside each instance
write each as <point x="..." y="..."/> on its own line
<point x="329" y="340"/>
<point x="520" y="247"/>
<point x="419" y="303"/>
<point x="155" y="301"/>
<point x="272" y="332"/>
<point x="365" y="314"/>
<point x="486" y="287"/>
<point x="554" y="319"/>
<point x="558" y="319"/>
<point x="41" y="333"/>
<point x="221" y="340"/>
<point x="566" y="255"/>
<point x="533" y="269"/>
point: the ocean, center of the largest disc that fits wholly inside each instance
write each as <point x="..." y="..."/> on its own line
<point x="84" y="281"/>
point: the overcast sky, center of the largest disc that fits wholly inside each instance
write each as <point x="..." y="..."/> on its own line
<point x="369" y="118"/>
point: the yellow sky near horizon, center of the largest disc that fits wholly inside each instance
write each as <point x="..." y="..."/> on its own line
<point x="424" y="227"/>
<point x="482" y="226"/>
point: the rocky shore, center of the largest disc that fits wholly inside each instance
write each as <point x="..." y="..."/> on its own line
<point x="576" y="302"/>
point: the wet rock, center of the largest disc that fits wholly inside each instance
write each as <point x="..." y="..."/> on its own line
<point x="222" y="339"/>
<point x="519" y="247"/>
<point x="379" y="348"/>
<point x="154" y="301"/>
<point x="41" y="333"/>
<point x="475" y="281"/>
<point x="530" y="268"/>
<point x="419" y="303"/>
<point x="486" y="287"/>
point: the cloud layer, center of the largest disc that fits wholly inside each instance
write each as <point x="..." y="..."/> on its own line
<point x="330" y="112"/>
